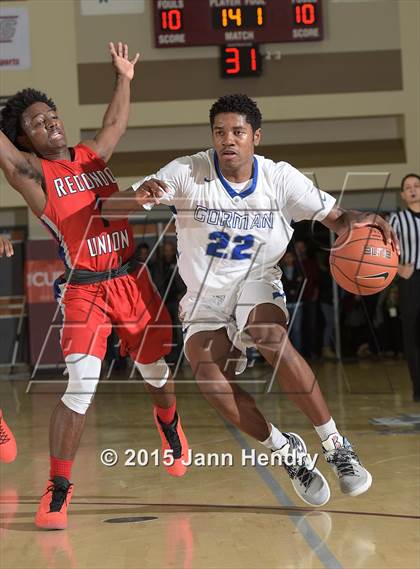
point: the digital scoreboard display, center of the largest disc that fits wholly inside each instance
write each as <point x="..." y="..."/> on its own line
<point x="180" y="23"/>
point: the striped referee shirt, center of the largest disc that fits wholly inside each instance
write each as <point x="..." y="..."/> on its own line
<point x="406" y="224"/>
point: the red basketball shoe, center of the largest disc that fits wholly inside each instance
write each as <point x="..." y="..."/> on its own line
<point x="8" y="448"/>
<point x="174" y="445"/>
<point x="52" y="510"/>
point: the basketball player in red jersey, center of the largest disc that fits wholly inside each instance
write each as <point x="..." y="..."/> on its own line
<point x="8" y="448"/>
<point x="105" y="285"/>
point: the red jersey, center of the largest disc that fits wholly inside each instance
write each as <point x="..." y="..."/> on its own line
<point x="86" y="239"/>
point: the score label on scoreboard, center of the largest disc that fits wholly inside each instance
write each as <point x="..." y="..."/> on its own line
<point x="217" y="22"/>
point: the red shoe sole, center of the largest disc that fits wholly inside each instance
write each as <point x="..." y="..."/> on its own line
<point x="52" y="520"/>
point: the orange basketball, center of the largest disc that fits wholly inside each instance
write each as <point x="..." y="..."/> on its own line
<point x="361" y="262"/>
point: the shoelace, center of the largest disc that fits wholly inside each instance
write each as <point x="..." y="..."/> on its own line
<point x="342" y="458"/>
<point x="59" y="495"/>
<point x="3" y="435"/>
<point x="171" y="434"/>
<point x="303" y="474"/>
<point x="296" y="444"/>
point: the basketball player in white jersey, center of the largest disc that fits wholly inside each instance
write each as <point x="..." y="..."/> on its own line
<point x="233" y="217"/>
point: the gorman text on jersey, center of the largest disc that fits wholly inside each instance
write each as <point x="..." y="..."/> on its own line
<point x="233" y="219"/>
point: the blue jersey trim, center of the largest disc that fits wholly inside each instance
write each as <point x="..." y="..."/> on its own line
<point x="56" y="287"/>
<point x="61" y="253"/>
<point x="233" y="193"/>
<point x="278" y="294"/>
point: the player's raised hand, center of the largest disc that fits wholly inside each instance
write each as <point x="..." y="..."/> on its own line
<point x="122" y="64"/>
<point x="150" y="192"/>
<point x="5" y="247"/>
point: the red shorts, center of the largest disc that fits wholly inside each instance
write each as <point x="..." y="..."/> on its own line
<point x="130" y="304"/>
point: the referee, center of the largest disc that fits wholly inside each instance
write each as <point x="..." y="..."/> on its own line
<point x="406" y="223"/>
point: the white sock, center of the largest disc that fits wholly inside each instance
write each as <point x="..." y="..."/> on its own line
<point x="276" y="440"/>
<point x="328" y="429"/>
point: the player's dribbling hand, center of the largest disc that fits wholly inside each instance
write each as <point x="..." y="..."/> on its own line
<point x="123" y="66"/>
<point x="151" y="192"/>
<point x="373" y="219"/>
<point x="5" y="247"/>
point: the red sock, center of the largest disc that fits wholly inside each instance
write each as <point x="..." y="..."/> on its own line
<point x="166" y="415"/>
<point x="60" y="467"/>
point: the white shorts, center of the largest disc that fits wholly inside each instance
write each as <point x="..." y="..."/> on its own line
<point x="230" y="311"/>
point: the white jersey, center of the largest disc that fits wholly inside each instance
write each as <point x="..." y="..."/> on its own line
<point x="227" y="236"/>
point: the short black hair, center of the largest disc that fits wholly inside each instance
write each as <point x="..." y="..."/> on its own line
<point x="240" y="104"/>
<point x="15" y="106"/>
<point x="408" y="176"/>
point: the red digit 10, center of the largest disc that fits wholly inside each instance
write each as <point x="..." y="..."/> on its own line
<point x="171" y="20"/>
<point x="233" y="60"/>
<point x="305" y="14"/>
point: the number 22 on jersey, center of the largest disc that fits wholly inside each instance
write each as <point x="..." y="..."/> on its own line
<point x="219" y="241"/>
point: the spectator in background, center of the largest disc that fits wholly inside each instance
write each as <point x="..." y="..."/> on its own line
<point x="355" y="326"/>
<point x="407" y="226"/>
<point x="143" y="251"/>
<point x="292" y="280"/>
<point x="310" y="297"/>
<point x="171" y="288"/>
<point x="327" y="306"/>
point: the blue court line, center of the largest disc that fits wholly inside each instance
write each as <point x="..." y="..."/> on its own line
<point x="326" y="557"/>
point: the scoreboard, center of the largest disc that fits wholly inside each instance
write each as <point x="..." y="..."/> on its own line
<point x="184" y="23"/>
<point x="237" y="26"/>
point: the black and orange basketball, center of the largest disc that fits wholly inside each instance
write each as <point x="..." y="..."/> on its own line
<point x="361" y="262"/>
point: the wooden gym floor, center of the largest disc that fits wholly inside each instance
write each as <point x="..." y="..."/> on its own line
<point x="216" y="517"/>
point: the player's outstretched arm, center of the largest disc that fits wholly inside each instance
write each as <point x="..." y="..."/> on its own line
<point x="10" y="156"/>
<point x="22" y="175"/>
<point x="116" y="117"/>
<point x="340" y="220"/>
<point x="122" y="204"/>
<point x="6" y="248"/>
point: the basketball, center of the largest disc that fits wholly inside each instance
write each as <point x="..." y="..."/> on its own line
<point x="361" y="262"/>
